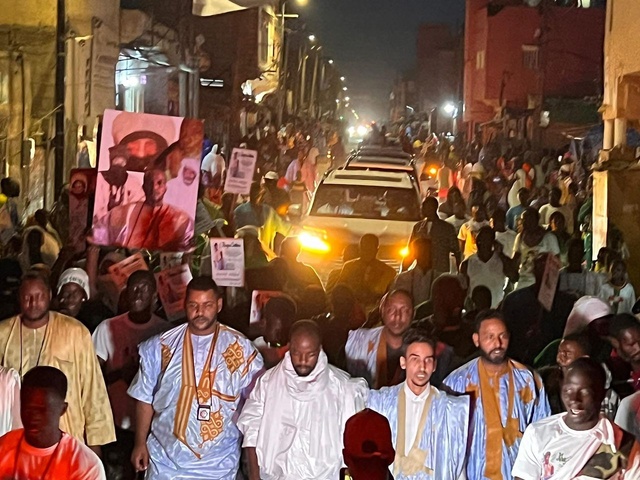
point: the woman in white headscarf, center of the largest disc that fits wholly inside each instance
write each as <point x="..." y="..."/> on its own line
<point x="182" y="191"/>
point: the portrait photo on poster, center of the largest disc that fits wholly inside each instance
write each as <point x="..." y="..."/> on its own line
<point x="147" y="183"/>
<point x="227" y="261"/>
<point x="259" y="299"/>
<point x="82" y="188"/>
<point x="242" y="165"/>
<point x="172" y="290"/>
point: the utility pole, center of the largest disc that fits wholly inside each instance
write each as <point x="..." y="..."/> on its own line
<point x="312" y="100"/>
<point x="58" y="142"/>
<point x="284" y="53"/>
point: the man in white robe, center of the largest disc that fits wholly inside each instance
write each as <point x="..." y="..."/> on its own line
<point x="429" y="428"/>
<point x="374" y="353"/>
<point x="293" y="422"/>
<point x="188" y="390"/>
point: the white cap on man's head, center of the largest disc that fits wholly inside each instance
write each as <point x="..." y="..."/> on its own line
<point x="271" y="176"/>
<point x="585" y="310"/>
<point x="75" y="275"/>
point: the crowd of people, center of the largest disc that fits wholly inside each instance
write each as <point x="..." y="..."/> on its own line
<point x="498" y="351"/>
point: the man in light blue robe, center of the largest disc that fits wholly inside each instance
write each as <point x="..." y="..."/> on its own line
<point x="188" y="390"/>
<point x="429" y="428"/>
<point x="506" y="397"/>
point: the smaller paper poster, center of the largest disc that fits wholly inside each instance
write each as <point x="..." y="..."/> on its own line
<point x="121" y="271"/>
<point x="259" y="299"/>
<point x="172" y="290"/>
<point x="549" y="282"/>
<point x="240" y="172"/>
<point x="82" y="189"/>
<point x="227" y="261"/>
<point x="169" y="260"/>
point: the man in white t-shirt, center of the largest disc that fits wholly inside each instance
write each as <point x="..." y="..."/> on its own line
<point x="41" y="449"/>
<point x="116" y="342"/>
<point x="574" y="443"/>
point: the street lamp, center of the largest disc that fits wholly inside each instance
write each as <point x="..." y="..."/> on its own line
<point x="344" y="89"/>
<point x="312" y="38"/>
<point x="346" y="99"/>
<point x="342" y="79"/>
<point x="449" y="108"/>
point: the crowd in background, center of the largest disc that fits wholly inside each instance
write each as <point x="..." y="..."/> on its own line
<point x="471" y="302"/>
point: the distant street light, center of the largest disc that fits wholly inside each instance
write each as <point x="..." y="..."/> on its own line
<point x="312" y="38"/>
<point x="346" y="99"/>
<point x="345" y="89"/>
<point x="449" y="108"/>
<point x="330" y="62"/>
<point x="342" y="79"/>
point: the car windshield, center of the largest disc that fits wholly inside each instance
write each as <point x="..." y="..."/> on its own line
<point x="369" y="202"/>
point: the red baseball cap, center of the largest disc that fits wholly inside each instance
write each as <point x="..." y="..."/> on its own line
<point x="367" y="435"/>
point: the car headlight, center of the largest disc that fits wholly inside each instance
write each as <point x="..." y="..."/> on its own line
<point x="313" y="242"/>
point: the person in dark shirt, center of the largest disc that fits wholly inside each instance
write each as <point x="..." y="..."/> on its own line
<point x="532" y="327"/>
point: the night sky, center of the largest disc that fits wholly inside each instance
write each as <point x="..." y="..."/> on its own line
<point x="372" y="40"/>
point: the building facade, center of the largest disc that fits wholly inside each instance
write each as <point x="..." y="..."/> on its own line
<point x="527" y="70"/>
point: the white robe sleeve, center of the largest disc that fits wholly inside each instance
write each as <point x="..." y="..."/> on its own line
<point x="143" y="387"/>
<point x="250" y="419"/>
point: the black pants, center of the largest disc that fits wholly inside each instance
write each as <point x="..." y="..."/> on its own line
<point x="117" y="456"/>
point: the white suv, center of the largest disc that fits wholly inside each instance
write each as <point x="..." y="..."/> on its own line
<point x="349" y="203"/>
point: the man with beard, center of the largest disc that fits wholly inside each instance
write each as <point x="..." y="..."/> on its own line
<point x="294" y="420"/>
<point x="38" y="337"/>
<point x="188" y="388"/>
<point x="578" y="443"/>
<point x="151" y="224"/>
<point x="429" y="428"/>
<point x="143" y="144"/>
<point x="374" y="353"/>
<point x="506" y="397"/>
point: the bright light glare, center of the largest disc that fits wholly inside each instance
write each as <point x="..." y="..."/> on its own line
<point x="449" y="108"/>
<point x="312" y="38"/>
<point x="404" y="252"/>
<point x="352" y="131"/>
<point x="346" y="99"/>
<point x="433" y="171"/>
<point x="312" y="243"/>
<point x="345" y="89"/>
<point x="342" y="79"/>
<point x="362" y="130"/>
<point x="330" y="62"/>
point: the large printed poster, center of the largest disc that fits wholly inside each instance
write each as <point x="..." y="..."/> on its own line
<point x="147" y="185"/>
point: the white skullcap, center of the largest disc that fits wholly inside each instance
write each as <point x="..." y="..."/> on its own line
<point x="75" y="275"/>
<point x="585" y="310"/>
<point x="129" y="122"/>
